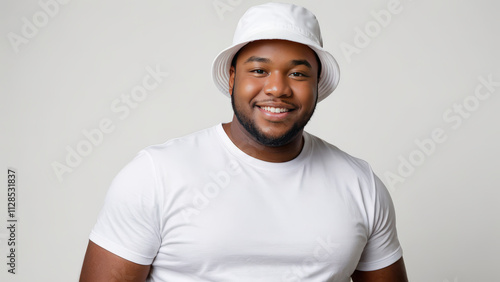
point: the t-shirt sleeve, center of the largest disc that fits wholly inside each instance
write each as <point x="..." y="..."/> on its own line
<point x="382" y="248"/>
<point x="128" y="224"/>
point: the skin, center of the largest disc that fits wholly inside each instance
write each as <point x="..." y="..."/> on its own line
<point x="395" y="272"/>
<point x="100" y="265"/>
<point x="274" y="73"/>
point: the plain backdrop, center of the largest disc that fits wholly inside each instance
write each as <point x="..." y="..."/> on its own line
<point x="406" y="103"/>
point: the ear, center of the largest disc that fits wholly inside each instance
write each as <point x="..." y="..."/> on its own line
<point x="232" y="72"/>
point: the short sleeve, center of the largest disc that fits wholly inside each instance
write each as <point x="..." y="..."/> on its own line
<point x="128" y="224"/>
<point x="383" y="247"/>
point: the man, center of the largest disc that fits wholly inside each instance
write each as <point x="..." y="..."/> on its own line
<point x="256" y="199"/>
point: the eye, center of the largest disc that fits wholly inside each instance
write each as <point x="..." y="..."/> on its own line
<point x="298" y="74"/>
<point x="258" y="71"/>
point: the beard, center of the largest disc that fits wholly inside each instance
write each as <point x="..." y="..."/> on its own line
<point x="270" y="141"/>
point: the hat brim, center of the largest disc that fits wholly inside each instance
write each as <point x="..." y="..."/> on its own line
<point x="330" y="71"/>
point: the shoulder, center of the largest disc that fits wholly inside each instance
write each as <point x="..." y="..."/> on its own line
<point x="344" y="170"/>
<point x="195" y="138"/>
<point x="331" y="156"/>
<point x="186" y="154"/>
<point x="184" y="146"/>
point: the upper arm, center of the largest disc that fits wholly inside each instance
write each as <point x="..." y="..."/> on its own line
<point x="395" y="272"/>
<point x="129" y="223"/>
<point x="102" y="265"/>
<point x="382" y="247"/>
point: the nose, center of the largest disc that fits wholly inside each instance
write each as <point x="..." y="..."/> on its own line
<point x="277" y="85"/>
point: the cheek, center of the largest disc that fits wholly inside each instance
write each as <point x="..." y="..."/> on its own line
<point x="248" y="86"/>
<point x="306" y="94"/>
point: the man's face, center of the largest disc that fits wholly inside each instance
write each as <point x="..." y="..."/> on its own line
<point x="274" y="89"/>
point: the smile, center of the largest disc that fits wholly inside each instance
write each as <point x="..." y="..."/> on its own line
<point x="275" y="110"/>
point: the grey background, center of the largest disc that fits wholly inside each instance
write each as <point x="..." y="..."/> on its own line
<point x="394" y="91"/>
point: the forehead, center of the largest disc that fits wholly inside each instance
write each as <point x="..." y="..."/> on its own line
<point x="282" y="49"/>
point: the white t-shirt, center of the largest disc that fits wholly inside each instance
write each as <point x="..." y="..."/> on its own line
<point x="199" y="209"/>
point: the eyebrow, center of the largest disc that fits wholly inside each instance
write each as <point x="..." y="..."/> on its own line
<point x="266" y="60"/>
<point x="257" y="59"/>
<point x="301" y="62"/>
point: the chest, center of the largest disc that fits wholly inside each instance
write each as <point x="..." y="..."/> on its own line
<point x="279" y="229"/>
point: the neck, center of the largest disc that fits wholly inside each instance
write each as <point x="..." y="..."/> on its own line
<point x="248" y="144"/>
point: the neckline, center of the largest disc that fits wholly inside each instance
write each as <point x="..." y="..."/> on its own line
<point x="239" y="154"/>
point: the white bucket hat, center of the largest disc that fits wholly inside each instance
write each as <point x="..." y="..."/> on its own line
<point x="278" y="21"/>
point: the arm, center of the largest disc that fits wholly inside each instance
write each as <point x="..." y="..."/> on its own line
<point x="395" y="272"/>
<point x="102" y="265"/>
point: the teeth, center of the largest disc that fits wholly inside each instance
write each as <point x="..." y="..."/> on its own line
<point x="275" y="110"/>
